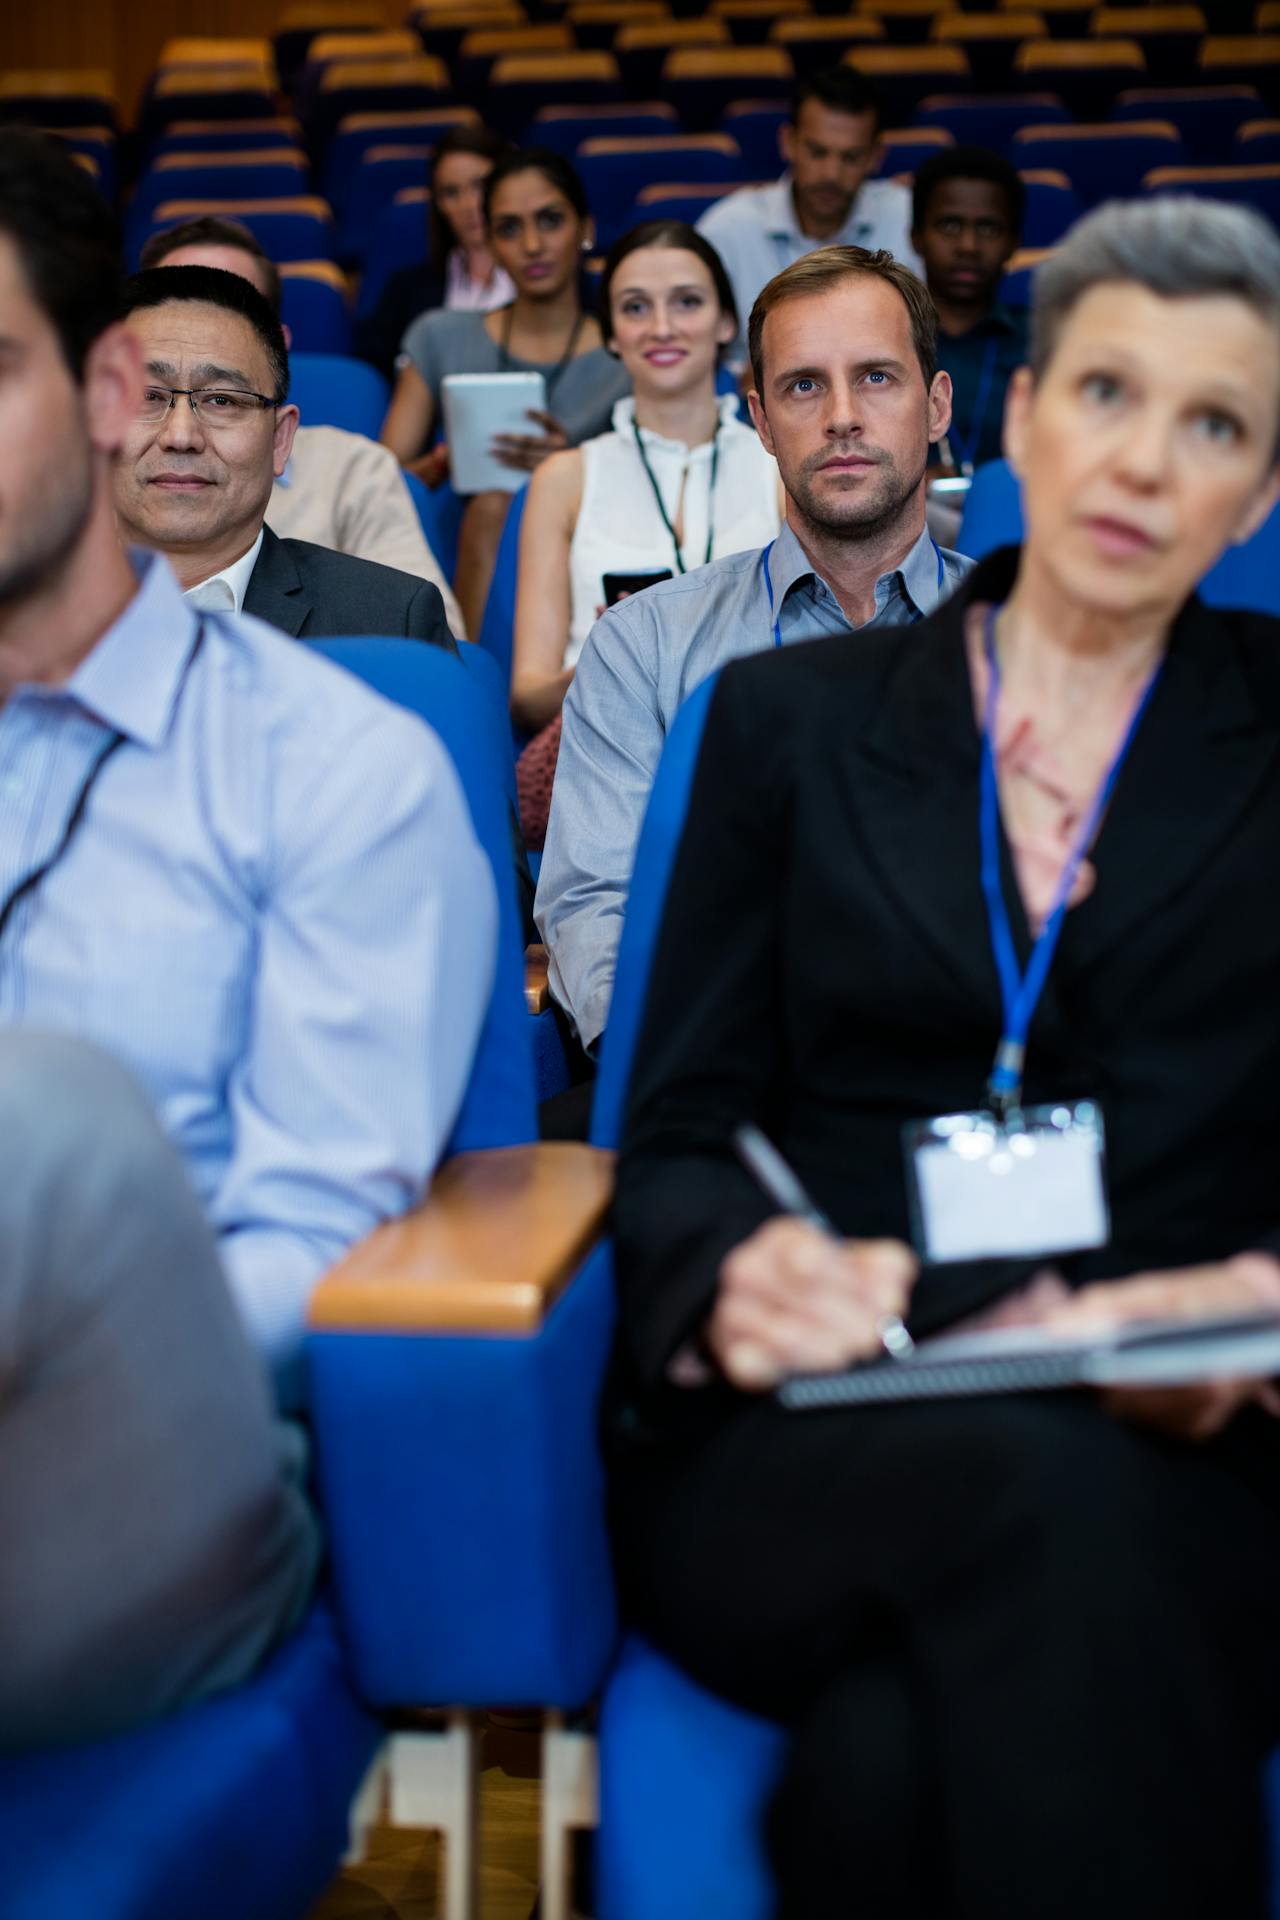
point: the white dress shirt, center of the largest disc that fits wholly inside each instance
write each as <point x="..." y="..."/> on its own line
<point x="274" y="912"/>
<point x="224" y="592"/>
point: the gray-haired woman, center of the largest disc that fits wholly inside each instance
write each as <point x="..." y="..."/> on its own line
<point x="1022" y="856"/>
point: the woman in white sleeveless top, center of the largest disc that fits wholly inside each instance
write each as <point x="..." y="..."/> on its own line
<point x="678" y="482"/>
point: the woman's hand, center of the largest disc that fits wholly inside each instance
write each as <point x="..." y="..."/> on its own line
<point x="1246" y="1284"/>
<point x="794" y="1300"/>
<point x="432" y="468"/>
<point x="525" y="451"/>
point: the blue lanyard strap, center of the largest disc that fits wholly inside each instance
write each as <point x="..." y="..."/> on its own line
<point x="777" y="615"/>
<point x="967" y="447"/>
<point x="1021" y="992"/>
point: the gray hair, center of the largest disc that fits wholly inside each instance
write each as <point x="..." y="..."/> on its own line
<point x="1179" y="246"/>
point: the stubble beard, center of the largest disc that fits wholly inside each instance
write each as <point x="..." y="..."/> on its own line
<point x="50" y="526"/>
<point x="864" y="514"/>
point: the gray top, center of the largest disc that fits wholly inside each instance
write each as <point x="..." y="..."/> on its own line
<point x="581" y="396"/>
<point x="641" y="660"/>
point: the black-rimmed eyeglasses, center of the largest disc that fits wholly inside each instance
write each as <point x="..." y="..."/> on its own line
<point x="212" y="406"/>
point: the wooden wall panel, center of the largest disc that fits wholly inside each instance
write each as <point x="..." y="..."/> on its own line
<point x="124" y="35"/>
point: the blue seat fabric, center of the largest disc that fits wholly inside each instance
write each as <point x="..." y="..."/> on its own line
<point x="332" y="390"/>
<point x="1246" y="576"/>
<point x="236" y="1807"/>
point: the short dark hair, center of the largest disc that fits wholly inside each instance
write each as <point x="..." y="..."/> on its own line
<point x="485" y="145"/>
<point x="210" y="230"/>
<point x="554" y="168"/>
<point x="843" y="90"/>
<point x="65" y="236"/>
<point x="968" y="163"/>
<point x="663" y="233"/>
<point x="830" y="267"/>
<point x="157" y="286"/>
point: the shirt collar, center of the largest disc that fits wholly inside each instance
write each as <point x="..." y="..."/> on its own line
<point x="236" y="576"/>
<point x="790" y="566"/>
<point x="781" y="222"/>
<point x="132" y="678"/>
<point x="622" y="420"/>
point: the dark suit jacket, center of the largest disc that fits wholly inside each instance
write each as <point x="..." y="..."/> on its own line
<point x="825" y="964"/>
<point x="316" y="594"/>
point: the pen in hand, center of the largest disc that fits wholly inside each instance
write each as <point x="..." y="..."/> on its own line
<point x="772" y="1174"/>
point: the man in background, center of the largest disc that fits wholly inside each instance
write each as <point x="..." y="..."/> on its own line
<point x="195" y="473"/>
<point x="826" y="198"/>
<point x="966" y="222"/>
<point x="338" y="489"/>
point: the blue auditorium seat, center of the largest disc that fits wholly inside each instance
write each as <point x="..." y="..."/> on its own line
<point x="335" y="390"/>
<point x="237" y="1809"/>
<point x="1208" y="118"/>
<point x="440" y="512"/>
<point x="314" y="309"/>
<point x="497" y="630"/>
<point x="1246" y="576"/>
<point x="399" y="239"/>
<point x="989" y="120"/>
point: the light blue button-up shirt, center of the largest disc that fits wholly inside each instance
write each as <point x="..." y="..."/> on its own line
<point x="640" y="662"/>
<point x="756" y="233"/>
<point x="274" y="912"/>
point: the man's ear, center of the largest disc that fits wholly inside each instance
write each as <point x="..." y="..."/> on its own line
<point x="282" y="440"/>
<point x="939" y="406"/>
<point x="1017" y="418"/>
<point x="288" y="336"/>
<point x="112" y="385"/>
<point x="760" y="421"/>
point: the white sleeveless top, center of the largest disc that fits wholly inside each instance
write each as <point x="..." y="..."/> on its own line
<point x="620" y="529"/>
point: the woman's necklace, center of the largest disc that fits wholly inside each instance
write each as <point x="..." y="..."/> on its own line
<point x="662" y="509"/>
<point x="504" y="347"/>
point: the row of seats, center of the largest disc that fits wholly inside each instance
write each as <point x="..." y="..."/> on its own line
<point x="698" y="79"/>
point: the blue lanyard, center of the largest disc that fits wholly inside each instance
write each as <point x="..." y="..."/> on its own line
<point x="1021" y="992"/>
<point x="777" y="617"/>
<point x="967" y="448"/>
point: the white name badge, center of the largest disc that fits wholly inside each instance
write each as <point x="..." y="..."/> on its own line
<point x="984" y="1189"/>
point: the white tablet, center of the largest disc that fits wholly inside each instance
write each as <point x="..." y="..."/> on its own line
<point x="476" y="407"/>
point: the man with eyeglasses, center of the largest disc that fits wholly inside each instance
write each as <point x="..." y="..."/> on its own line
<point x="211" y="435"/>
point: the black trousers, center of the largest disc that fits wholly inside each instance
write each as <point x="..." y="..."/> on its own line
<point x="1029" y="1654"/>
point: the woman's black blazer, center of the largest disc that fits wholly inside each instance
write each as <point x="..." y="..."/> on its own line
<point x="825" y="965"/>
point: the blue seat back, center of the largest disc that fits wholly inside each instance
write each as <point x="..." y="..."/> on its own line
<point x="497" y="629"/>
<point x="755" y="126"/>
<point x="1245" y="576"/>
<point x="331" y="390"/>
<point x="399" y="239"/>
<point x="646" y="898"/>
<point x="282" y="236"/>
<point x="1101" y="167"/>
<point x="1208" y="118"/>
<point x="498" y="1108"/>
<point x="1050" y="209"/>
<point x="372" y="187"/>
<point x="565" y="132"/>
<point x="440" y="512"/>
<point x="316" y="314"/>
<point x="989" y="120"/>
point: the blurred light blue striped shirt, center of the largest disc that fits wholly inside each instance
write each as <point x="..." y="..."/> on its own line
<point x="275" y="912"/>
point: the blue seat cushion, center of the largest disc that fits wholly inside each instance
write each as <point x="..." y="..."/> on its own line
<point x="235" y="1807"/>
<point x="684" y="1781"/>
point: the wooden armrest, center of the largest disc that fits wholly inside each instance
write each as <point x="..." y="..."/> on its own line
<point x="537" y="994"/>
<point x="489" y="1250"/>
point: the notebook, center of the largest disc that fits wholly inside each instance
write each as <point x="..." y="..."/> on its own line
<point x="1146" y="1353"/>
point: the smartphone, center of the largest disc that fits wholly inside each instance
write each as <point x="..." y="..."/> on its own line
<point x="617" y="584"/>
